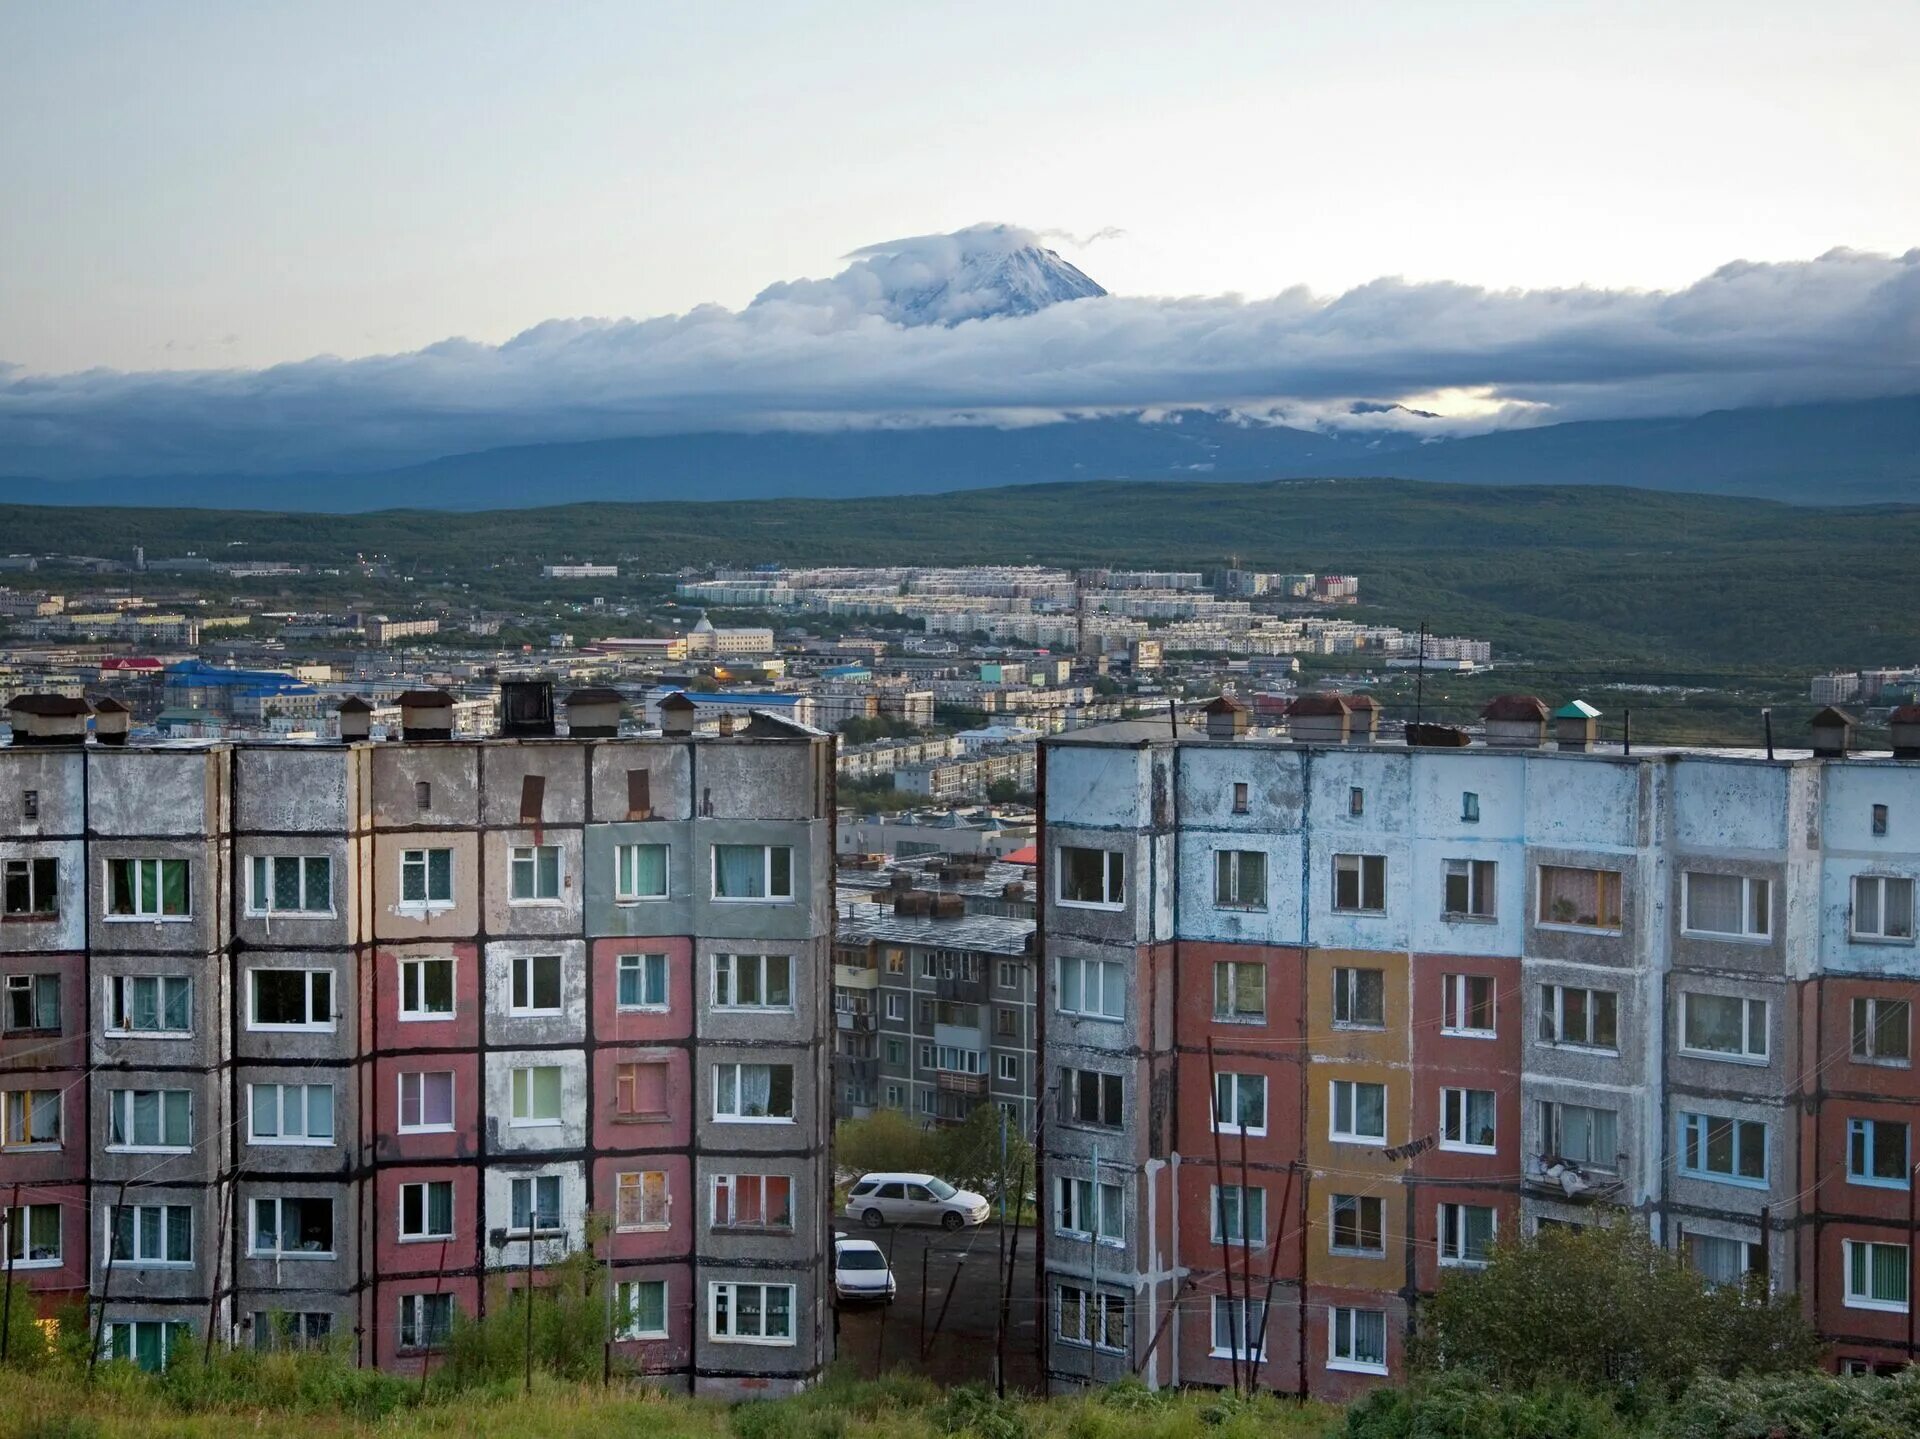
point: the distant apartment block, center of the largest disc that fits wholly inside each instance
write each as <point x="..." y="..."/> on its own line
<point x="332" y="1039"/>
<point x="381" y="630"/>
<point x="588" y="571"/>
<point x="1322" y="1018"/>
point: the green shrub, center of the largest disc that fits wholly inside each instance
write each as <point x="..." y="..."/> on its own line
<point x="977" y="1410"/>
<point x="786" y="1419"/>
<point x="1796" y="1406"/>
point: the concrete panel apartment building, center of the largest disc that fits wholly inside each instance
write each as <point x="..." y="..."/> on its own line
<point x="1322" y="1017"/>
<point x="309" y="1040"/>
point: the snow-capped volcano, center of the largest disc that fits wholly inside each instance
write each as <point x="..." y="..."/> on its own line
<point x="981" y="271"/>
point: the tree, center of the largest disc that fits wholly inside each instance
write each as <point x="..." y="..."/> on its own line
<point x="1605" y="1307"/>
<point x="885" y="1140"/>
<point x="968" y="1153"/>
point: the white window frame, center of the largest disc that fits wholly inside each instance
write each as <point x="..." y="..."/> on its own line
<point x="725" y="967"/>
<point x="1252" y="1322"/>
<point x="1250" y="1235"/>
<point x="1748" y="884"/>
<point x="1553" y="1011"/>
<point x="28" y="865"/>
<point x="141" y="913"/>
<point x="1007" y="974"/>
<point x="646" y="963"/>
<point x="428" y="903"/>
<point x="1853" y="1298"/>
<point x="1226" y="1125"/>
<point x="520" y="965"/>
<point x="119" y="1098"/>
<point x="1746" y="1054"/>
<point x="261" y="906"/>
<point x="519" y="1089"/>
<point x="1073" y="1198"/>
<point x="897" y="1007"/>
<point x="1455" y="992"/>
<point x="1483" y="884"/>
<point x="280" y="1138"/>
<point x="714" y="1335"/>
<point x="19" y="1232"/>
<point x="1879" y="934"/>
<point x="1458" y="1142"/>
<point x="26" y="1096"/>
<point x="1008" y="1067"/>
<point x="1346" y="986"/>
<point x="400" y="1124"/>
<point x="1602" y="880"/>
<point x="1358" y="864"/>
<point x="558" y="1214"/>
<point x="1348" y="1362"/>
<point x="624" y="1296"/>
<point x="1113" y="878"/>
<point x="1450" y="1225"/>
<point x="1089" y="1303"/>
<point x="623" y="892"/>
<point x="118" y="1009"/>
<point x="1072" y="998"/>
<point x="136" y="1260"/>
<point x="311" y="1025"/>
<point x="721" y="1117"/>
<point x="1228" y="876"/>
<point x="735" y="1183"/>
<point x="413" y="986"/>
<point x="425" y="1236"/>
<point x="1360" y="1201"/>
<point x="414" y="1335"/>
<point x="529" y="855"/>
<point x="1352" y="1136"/>
<point x="1873" y="1003"/>
<point x="32" y="985"/>
<point x="771" y="896"/>
<point x="638" y="1178"/>
<point x="280" y="1251"/>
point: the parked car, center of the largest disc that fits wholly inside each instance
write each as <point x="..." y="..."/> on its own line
<point x="860" y="1271"/>
<point x="878" y="1199"/>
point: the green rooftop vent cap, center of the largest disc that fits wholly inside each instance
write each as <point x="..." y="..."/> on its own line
<point x="1576" y="709"/>
<point x="1576" y="726"/>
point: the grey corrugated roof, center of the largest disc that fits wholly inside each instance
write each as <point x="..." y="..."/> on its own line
<point x="988" y="933"/>
<point x="999" y="875"/>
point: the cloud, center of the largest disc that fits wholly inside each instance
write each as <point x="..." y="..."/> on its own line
<point x="853" y="350"/>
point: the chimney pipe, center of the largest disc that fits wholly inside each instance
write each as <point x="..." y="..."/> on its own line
<point x="355" y="718"/>
<point x="677" y="714"/>
<point x="111" y="721"/>
<point x="426" y="715"/>
<point x="49" y="719"/>
<point x="593" y="713"/>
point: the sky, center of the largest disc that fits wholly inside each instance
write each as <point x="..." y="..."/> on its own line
<point x="221" y="187"/>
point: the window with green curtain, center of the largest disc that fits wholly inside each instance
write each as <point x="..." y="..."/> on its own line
<point x="642" y="871"/>
<point x="439" y="1207"/>
<point x="173" y="886"/>
<point x="176" y="992"/>
<point x="440" y="874"/>
<point x="739" y="871"/>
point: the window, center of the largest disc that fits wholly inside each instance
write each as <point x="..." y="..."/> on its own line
<point x="1092" y="1097"/>
<point x="1358" y="1224"/>
<point x="753" y="1201"/>
<point x="1579" y="898"/>
<point x="150" y="1233"/>
<point x="640" y="1090"/>
<point x="426" y="1210"/>
<point x="1240" y="878"/>
<point x="752" y="871"/>
<point x="426" y="1101"/>
<point x="1724" y="1026"/>
<point x="1580" y="1135"/>
<point x="1240" y="1213"/>
<point x="1468" y="889"/>
<point x="1882" y="907"/>
<point x="1240" y="991"/>
<point x="1096" y="877"/>
<point x="290" y="1329"/>
<point x="1727" y="906"/>
<point x="929" y="965"/>
<point x="290" y="1113"/>
<point x="149" y="1004"/>
<point x="1008" y="972"/>
<point x="1239" y="1327"/>
<point x="753" y="981"/>
<point x="897" y="1007"/>
<point x="30" y="888"/>
<point x="290" y="884"/>
<point x="639" y="872"/>
<point x="1356" y="802"/>
<point x="1006" y="1023"/>
<point x="426" y="878"/>
<point x="1083" y="1209"/>
<point x="896" y="961"/>
<point x="640" y="1199"/>
<point x="1009" y="1068"/>
<point x="896" y="1051"/>
<point x="1879" y="820"/>
<point x="1466" y="1234"/>
<point x="426" y="988"/>
<point x="536" y="984"/>
<point x="535" y="1202"/>
<point x="1240" y="1103"/>
<point x="1876" y="1275"/>
<point x="643" y="1309"/>
<point x="1469" y="807"/>
<point x="536" y="1095"/>
<point x="290" y="999"/>
<point x="750" y="1092"/>
<point x="33" y="1001"/>
<point x="33" y="1236"/>
<point x="1877" y="1153"/>
<point x="1730" y="1151"/>
<point x="1466" y="1004"/>
<point x="150" y="1119"/>
<point x="1467" y="1119"/>
<point x="1088" y="1318"/>
<point x="1094" y="988"/>
<point x="1240" y="797"/>
<point x="1357" y="1340"/>
<point x="1583" y="1018"/>
<point x="750" y="1313"/>
<point x="896" y="1096"/>
<point x="1360" y="883"/>
<point x="30" y="1119"/>
<point x="1719" y="1260"/>
<point x="533" y="873"/>
<point x="292" y="1228"/>
<point x="426" y="1320"/>
<point x="1359" y="998"/>
<point x="1880" y="1032"/>
<point x="642" y="981"/>
<point x="147" y="889"/>
<point x="951" y="1057"/>
<point x="149" y="1343"/>
<point x="1359" y="1112"/>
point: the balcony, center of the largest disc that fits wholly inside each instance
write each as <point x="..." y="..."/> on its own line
<point x="1550" y="1177"/>
<point x="856" y="976"/>
<point x="856" y="1021"/>
<point x="952" y="1081"/>
<point x="965" y="991"/>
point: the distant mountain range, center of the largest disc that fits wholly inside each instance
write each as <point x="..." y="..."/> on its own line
<point x="1865" y="452"/>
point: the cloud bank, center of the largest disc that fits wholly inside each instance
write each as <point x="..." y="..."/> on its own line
<point x="855" y="350"/>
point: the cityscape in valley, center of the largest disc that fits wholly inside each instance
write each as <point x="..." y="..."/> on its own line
<point x="622" y="806"/>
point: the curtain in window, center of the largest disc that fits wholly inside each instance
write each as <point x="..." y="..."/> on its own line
<point x="1716" y="1259"/>
<point x="151" y="1220"/>
<point x="178" y="994"/>
<point x="173" y="886"/>
<point x="319" y="1111"/>
<point x="440" y="1208"/>
<point x="146" y="1116"/>
<point x="779" y="1316"/>
<point x="646" y="869"/>
<point x="739" y="871"/>
<point x="1714" y="903"/>
<point x="750" y="1316"/>
<point x="1476" y="1232"/>
<point x="266" y="1225"/>
<point x="439" y="874"/>
<point x="1369" y="1336"/>
<point x="756" y="1089"/>
<point x="1369" y="1109"/>
<point x="1889" y="1272"/>
<point x="286" y="882"/>
<point x="1717" y="1022"/>
<point x="149" y="1346"/>
<point x="43" y="1231"/>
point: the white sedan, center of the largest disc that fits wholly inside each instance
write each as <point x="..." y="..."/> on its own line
<point x="860" y="1271"/>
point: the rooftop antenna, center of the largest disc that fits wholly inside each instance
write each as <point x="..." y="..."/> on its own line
<point x="1766" y="718"/>
<point x="1420" y="678"/>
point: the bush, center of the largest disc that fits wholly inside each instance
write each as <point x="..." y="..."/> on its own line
<point x="1460" y="1406"/>
<point x="1796" y="1406"/>
<point x="884" y="1140"/>
<point x="976" y="1410"/>
<point x="786" y="1419"/>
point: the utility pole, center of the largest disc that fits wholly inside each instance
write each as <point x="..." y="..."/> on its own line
<point x="7" y="1222"/>
<point x="1093" y="1283"/>
<point x="1420" y="678"/>
<point x="532" y="1220"/>
<point x="106" y="1280"/>
<point x="1220" y="1202"/>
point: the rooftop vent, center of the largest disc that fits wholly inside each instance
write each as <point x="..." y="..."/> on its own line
<point x="1226" y="718"/>
<point x="593" y="713"/>
<point x="426" y="715"/>
<point x="1515" y="721"/>
<point x="1364" y="726"/>
<point x="355" y="716"/>
<point x="1833" y="732"/>
<point x="1320" y="719"/>
<point x="111" y="721"/>
<point x="1905" y="724"/>
<point x="1437" y="736"/>
<point x="48" y="719"/>
<point x="677" y="714"/>
<point x="1576" y="725"/>
<point x="526" y="709"/>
